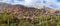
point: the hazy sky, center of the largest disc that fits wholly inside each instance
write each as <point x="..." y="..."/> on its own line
<point x="52" y="3"/>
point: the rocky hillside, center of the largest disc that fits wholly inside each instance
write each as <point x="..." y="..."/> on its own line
<point x="20" y="10"/>
<point x="20" y="15"/>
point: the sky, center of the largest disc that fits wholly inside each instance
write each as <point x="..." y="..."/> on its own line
<point x="51" y="3"/>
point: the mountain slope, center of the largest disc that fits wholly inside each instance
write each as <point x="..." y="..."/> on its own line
<point x="21" y="10"/>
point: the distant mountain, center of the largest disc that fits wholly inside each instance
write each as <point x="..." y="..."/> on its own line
<point x="21" y="10"/>
<point x="3" y="5"/>
<point x="50" y="11"/>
